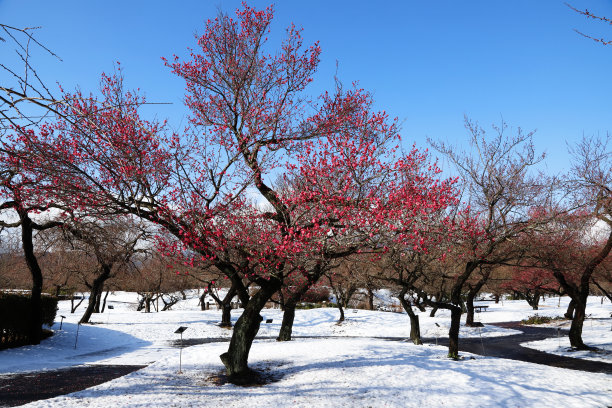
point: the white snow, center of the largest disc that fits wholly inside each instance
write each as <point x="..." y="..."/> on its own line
<point x="351" y="369"/>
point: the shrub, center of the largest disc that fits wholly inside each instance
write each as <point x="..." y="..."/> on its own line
<point x="537" y="319"/>
<point x="15" y="315"/>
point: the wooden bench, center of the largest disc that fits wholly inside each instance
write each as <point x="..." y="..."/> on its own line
<point x="480" y="308"/>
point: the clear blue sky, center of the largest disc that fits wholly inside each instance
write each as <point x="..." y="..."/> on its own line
<point x="427" y="62"/>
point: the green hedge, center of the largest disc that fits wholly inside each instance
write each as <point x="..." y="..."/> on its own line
<point x="15" y="315"/>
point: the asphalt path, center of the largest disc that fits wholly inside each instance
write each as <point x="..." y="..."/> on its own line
<point x="510" y="347"/>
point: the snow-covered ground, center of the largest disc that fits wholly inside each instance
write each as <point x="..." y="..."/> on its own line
<point x="596" y="332"/>
<point x="351" y="370"/>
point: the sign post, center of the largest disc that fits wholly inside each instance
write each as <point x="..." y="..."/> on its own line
<point x="77" y="335"/>
<point x="180" y="331"/>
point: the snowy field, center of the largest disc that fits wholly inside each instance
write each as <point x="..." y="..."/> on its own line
<point x="349" y="369"/>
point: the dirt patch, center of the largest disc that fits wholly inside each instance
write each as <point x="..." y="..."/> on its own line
<point x="261" y="374"/>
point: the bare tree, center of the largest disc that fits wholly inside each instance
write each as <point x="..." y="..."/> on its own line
<point x="499" y="190"/>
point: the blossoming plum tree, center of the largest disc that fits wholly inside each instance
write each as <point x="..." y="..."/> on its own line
<point x="218" y="186"/>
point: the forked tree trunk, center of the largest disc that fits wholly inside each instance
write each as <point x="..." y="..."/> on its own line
<point x="533" y="300"/>
<point x="96" y="292"/>
<point x="236" y="358"/>
<point x="73" y="307"/>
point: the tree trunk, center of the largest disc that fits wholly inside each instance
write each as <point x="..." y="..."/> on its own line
<point x="98" y="301"/>
<point x="73" y="307"/>
<point x="341" y="309"/>
<point x="287" y="325"/>
<point x="245" y="330"/>
<point x="35" y="315"/>
<point x="569" y="314"/>
<point x="533" y="300"/>
<point x="575" y="333"/>
<point x="104" y="301"/>
<point x="415" y="327"/>
<point x="96" y="292"/>
<point x="370" y="298"/>
<point x="433" y="311"/>
<point x="202" y="302"/>
<point x="453" y="332"/>
<point x="226" y="314"/>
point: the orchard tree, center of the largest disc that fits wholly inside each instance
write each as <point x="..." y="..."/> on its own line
<point x="531" y="283"/>
<point x="499" y="189"/>
<point x="251" y="121"/>
<point x="579" y="239"/>
<point x="21" y="200"/>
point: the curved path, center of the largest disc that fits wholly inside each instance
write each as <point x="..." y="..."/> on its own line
<point x="510" y="347"/>
<point x="18" y="389"/>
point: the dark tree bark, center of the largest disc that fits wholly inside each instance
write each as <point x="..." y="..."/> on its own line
<point x="202" y="301"/>
<point x="341" y="310"/>
<point x="569" y="313"/>
<point x="287" y="325"/>
<point x="224" y="304"/>
<point x="104" y="301"/>
<point x="245" y="330"/>
<point x="469" y="301"/>
<point x="96" y="291"/>
<point x="35" y="317"/>
<point x="74" y="307"/>
<point x="370" y="298"/>
<point x="415" y="328"/>
<point x="533" y="299"/>
<point x="453" y="333"/>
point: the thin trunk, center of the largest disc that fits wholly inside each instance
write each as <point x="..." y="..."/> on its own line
<point x="104" y="301"/>
<point x="73" y="307"/>
<point x="245" y="330"/>
<point x="202" y="301"/>
<point x="341" y="310"/>
<point x="469" y="302"/>
<point x="370" y="298"/>
<point x="35" y="317"/>
<point x="433" y="311"/>
<point x="569" y="314"/>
